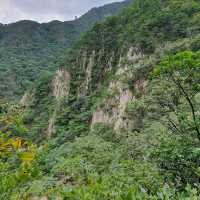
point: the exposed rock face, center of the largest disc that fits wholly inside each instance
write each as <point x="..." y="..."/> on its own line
<point x="61" y="89"/>
<point x="100" y="117"/>
<point x="61" y="84"/>
<point x="141" y="85"/>
<point x="82" y="91"/>
<point x="40" y="198"/>
<point x="125" y="98"/>
<point x="51" y="125"/>
<point x="134" y="55"/>
<point x="89" y="70"/>
<point x="114" y="110"/>
<point x="26" y="99"/>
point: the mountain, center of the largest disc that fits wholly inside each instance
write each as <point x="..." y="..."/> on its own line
<point x="118" y="120"/>
<point x="28" y="49"/>
<point x="97" y="14"/>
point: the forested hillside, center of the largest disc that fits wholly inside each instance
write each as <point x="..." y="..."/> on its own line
<point x="119" y="119"/>
<point x="29" y="49"/>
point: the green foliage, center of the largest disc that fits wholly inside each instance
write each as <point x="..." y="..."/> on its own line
<point x="104" y="131"/>
<point x="157" y="158"/>
<point x="181" y="73"/>
<point x="157" y="21"/>
<point x="17" y="156"/>
<point x="29" y="49"/>
<point x="186" y="62"/>
<point x="176" y="79"/>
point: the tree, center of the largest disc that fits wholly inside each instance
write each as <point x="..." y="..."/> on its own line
<point x="181" y="72"/>
<point x="16" y="153"/>
<point x="175" y="87"/>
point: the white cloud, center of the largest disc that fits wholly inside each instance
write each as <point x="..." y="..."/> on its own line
<point x="46" y="10"/>
<point x="4" y="9"/>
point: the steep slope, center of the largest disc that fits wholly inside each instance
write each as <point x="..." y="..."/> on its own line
<point x="85" y="22"/>
<point x="28" y="48"/>
<point x="120" y="119"/>
<point x="114" y="59"/>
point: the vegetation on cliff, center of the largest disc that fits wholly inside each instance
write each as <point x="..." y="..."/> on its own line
<point x="29" y="49"/>
<point x="126" y="113"/>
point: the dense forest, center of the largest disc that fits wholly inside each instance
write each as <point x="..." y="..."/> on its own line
<point x="117" y="119"/>
<point x="29" y="49"/>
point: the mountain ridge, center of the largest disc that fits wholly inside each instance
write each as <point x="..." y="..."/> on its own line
<point x="118" y="120"/>
<point x="29" y="48"/>
<point x="114" y="4"/>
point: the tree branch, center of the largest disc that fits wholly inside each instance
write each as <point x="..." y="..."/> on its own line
<point x="178" y="84"/>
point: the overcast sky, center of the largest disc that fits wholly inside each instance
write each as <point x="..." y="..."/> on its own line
<point x="46" y="10"/>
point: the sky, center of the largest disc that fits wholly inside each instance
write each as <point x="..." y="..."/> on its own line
<point x="46" y="10"/>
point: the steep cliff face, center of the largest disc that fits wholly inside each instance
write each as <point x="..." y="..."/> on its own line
<point x="60" y="90"/>
<point x="121" y="80"/>
<point x="112" y="111"/>
<point x="88" y="64"/>
<point x="27" y="98"/>
<point x="107" y="70"/>
<point x="61" y="85"/>
<point x="120" y="119"/>
<point x="45" y="102"/>
<point x="29" y="49"/>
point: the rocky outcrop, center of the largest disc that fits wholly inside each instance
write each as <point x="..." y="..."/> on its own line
<point x="61" y="84"/>
<point x="134" y="54"/>
<point x="27" y="98"/>
<point x="87" y="66"/>
<point x="113" y="111"/>
<point x="39" y="198"/>
<point x="60" y="89"/>
<point x="51" y="125"/>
